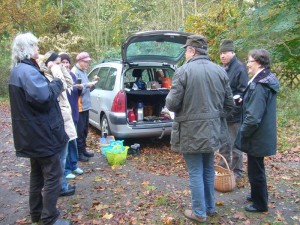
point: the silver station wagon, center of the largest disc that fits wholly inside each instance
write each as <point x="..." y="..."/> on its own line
<point x="129" y="98"/>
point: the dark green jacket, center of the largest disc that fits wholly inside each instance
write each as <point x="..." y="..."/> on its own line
<point x="257" y="135"/>
<point x="199" y="96"/>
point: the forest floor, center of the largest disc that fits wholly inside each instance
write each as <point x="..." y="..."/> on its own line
<point x="151" y="188"/>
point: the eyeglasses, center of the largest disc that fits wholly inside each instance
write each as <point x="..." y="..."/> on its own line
<point x="250" y="61"/>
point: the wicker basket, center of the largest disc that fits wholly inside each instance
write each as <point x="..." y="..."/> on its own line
<point x="224" y="178"/>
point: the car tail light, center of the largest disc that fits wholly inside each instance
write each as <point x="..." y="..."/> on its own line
<point x="119" y="103"/>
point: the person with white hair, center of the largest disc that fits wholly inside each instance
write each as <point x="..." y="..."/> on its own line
<point x="38" y="128"/>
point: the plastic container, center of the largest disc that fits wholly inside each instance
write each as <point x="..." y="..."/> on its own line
<point x="117" y="158"/>
<point x="131" y="116"/>
<point x="166" y="82"/>
<point x="140" y="111"/>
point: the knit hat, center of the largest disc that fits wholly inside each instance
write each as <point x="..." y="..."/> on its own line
<point x="226" y="46"/>
<point x="197" y="41"/>
<point x="65" y="56"/>
<point x="50" y="56"/>
<point x="83" y="56"/>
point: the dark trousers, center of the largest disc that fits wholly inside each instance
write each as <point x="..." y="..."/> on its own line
<point x="258" y="182"/>
<point x="82" y="131"/>
<point x="45" y="185"/>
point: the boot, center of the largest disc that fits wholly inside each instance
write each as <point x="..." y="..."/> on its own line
<point x="87" y="154"/>
<point x="83" y="158"/>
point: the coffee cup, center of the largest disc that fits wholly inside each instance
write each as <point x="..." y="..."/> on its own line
<point x="237" y="100"/>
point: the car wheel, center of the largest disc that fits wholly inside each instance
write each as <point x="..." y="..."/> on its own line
<point x="105" y="126"/>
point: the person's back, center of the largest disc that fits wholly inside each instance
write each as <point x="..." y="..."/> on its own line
<point x="210" y="80"/>
<point x="38" y="128"/>
<point x="199" y="95"/>
<point x="206" y="95"/>
<point x="35" y="112"/>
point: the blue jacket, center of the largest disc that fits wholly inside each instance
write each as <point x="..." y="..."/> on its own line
<point x="84" y="102"/>
<point x="257" y="135"/>
<point x="37" y="123"/>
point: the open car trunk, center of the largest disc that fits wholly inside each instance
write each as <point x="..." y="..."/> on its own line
<point x="146" y="90"/>
<point x="148" y="107"/>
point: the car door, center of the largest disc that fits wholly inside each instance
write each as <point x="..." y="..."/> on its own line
<point x="94" y="114"/>
<point x="102" y="96"/>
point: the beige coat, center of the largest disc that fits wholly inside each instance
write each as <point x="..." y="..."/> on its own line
<point x="58" y="71"/>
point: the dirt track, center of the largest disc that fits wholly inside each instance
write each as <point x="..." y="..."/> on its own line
<point x="149" y="189"/>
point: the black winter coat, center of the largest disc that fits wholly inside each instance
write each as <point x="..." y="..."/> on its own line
<point x="238" y="80"/>
<point x="38" y="127"/>
<point x="257" y="135"/>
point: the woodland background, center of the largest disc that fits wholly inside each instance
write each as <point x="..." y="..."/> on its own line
<point x="100" y="26"/>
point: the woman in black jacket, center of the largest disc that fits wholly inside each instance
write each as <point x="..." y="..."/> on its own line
<point x="257" y="134"/>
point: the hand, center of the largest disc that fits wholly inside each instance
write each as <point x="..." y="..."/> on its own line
<point x="92" y="84"/>
<point x="50" y="64"/>
<point x="78" y="86"/>
<point x="96" y="78"/>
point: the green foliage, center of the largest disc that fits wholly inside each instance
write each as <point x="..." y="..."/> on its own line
<point x="100" y="26"/>
<point x="275" y="27"/>
<point x="36" y="16"/>
<point x="4" y="65"/>
<point x="219" y="22"/>
<point x="65" y="42"/>
<point x="288" y="125"/>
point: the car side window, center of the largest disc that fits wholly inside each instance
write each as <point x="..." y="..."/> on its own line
<point x="145" y="76"/>
<point x="93" y="73"/>
<point x="103" y="72"/>
<point x="111" y="78"/>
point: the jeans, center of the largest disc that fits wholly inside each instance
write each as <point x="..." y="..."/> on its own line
<point x="233" y="156"/>
<point x="45" y="174"/>
<point x="202" y="179"/>
<point x="72" y="158"/>
<point x="63" y="157"/>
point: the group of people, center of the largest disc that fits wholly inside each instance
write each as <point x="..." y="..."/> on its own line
<point x="207" y="119"/>
<point x="50" y="104"/>
<point x="49" y="110"/>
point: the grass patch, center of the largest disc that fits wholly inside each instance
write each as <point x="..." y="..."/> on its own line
<point x="4" y="99"/>
<point x="288" y="110"/>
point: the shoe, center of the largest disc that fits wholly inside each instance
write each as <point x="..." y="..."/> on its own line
<point x="248" y="197"/>
<point x="69" y="192"/>
<point x="88" y="154"/>
<point x="70" y="176"/>
<point x="189" y="214"/>
<point x="250" y="208"/>
<point x="62" y="222"/>
<point x="78" y="171"/>
<point x="83" y="158"/>
<point x="70" y="186"/>
<point x="211" y="213"/>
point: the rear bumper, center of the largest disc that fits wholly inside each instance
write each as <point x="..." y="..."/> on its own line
<point x="121" y="129"/>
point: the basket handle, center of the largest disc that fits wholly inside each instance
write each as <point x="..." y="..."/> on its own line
<point x="222" y="157"/>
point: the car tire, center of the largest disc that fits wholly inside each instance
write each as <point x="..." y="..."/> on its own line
<point x="105" y="126"/>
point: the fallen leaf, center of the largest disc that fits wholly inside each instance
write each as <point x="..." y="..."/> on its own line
<point x="108" y="216"/>
<point x="220" y="203"/>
